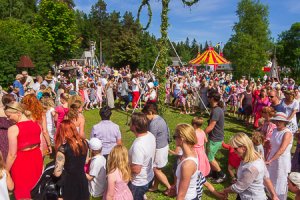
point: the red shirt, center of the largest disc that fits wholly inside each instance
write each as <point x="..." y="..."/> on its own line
<point x="233" y="159"/>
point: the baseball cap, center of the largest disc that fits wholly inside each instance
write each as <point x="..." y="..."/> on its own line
<point x="95" y="144"/>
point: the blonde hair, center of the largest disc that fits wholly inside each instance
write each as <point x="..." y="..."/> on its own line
<point x="187" y="133"/>
<point x="14" y="107"/>
<point x="2" y="165"/>
<point x="198" y="121"/>
<point x="257" y="138"/>
<point x="118" y="159"/>
<point x="47" y="103"/>
<point x="242" y="140"/>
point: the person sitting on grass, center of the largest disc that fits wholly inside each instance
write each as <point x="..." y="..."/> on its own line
<point x="97" y="169"/>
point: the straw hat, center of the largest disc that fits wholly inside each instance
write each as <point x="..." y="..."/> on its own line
<point x="280" y="116"/>
<point x="48" y="78"/>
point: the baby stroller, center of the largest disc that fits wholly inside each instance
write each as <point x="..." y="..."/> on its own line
<point x="48" y="187"/>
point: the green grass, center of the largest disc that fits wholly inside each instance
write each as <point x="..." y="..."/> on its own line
<point x="173" y="118"/>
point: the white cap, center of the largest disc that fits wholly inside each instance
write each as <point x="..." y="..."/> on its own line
<point x="95" y="144"/>
<point x="295" y="179"/>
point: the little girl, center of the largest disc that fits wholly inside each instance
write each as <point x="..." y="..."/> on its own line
<point x="99" y="93"/>
<point x="5" y="181"/>
<point x="118" y="171"/>
<point x="233" y="99"/>
<point x="190" y="102"/>
<point x="48" y="105"/>
<point x="87" y="101"/>
<point x="204" y="165"/>
<point x="92" y="95"/>
<point x="258" y="139"/>
<point x="233" y="161"/>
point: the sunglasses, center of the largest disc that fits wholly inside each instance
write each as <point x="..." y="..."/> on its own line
<point x="175" y="136"/>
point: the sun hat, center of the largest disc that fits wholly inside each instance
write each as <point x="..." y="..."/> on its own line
<point x="294" y="177"/>
<point x="95" y="144"/>
<point x="280" y="116"/>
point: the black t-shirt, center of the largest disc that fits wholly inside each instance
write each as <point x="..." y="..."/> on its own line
<point x="217" y="134"/>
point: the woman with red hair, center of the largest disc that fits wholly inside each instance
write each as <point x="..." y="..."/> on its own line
<point x="34" y="110"/>
<point x="71" y="151"/>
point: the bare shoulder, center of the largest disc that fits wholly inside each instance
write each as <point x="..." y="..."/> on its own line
<point x="13" y="129"/>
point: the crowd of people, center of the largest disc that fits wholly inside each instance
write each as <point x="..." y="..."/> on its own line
<point x="43" y="116"/>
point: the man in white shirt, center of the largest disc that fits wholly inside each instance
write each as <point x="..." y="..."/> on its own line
<point x="29" y="80"/>
<point x="141" y="155"/>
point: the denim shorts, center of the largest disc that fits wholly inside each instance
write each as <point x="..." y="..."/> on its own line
<point x="139" y="191"/>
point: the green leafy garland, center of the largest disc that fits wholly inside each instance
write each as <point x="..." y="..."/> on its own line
<point x="145" y="3"/>
<point x="189" y="3"/>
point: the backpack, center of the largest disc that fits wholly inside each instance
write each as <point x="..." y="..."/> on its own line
<point x="48" y="187"/>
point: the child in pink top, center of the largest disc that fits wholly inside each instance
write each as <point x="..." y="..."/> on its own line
<point x="62" y="110"/>
<point x="118" y="175"/>
<point x="203" y="165"/>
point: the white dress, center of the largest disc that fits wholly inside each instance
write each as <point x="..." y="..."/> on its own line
<point x="289" y="109"/>
<point x="279" y="168"/>
<point x="3" y="187"/>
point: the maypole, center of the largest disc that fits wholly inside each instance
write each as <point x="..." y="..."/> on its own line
<point x="163" y="45"/>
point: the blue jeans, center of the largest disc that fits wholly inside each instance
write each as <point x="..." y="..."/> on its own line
<point x="139" y="191"/>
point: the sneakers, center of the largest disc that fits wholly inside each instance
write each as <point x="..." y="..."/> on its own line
<point x="220" y="179"/>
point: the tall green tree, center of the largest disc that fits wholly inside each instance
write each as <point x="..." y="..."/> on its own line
<point x="18" y="39"/>
<point x="56" y="22"/>
<point x="127" y="47"/>
<point x="19" y="9"/>
<point x="249" y="44"/>
<point x="288" y="50"/>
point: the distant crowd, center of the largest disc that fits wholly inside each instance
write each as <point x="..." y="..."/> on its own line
<point x="43" y="116"/>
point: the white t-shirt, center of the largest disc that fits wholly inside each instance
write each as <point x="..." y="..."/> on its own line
<point x="29" y="82"/>
<point x="142" y="152"/>
<point x="135" y="87"/>
<point x="98" y="171"/>
<point x="3" y="187"/>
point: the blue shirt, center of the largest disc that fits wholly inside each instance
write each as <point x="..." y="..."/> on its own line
<point x="19" y="85"/>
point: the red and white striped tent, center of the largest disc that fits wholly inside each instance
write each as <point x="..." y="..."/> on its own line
<point x="209" y="57"/>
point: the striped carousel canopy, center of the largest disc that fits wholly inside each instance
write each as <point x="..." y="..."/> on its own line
<point x="209" y="57"/>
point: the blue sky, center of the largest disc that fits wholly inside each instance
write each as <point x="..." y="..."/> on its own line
<point x="210" y="20"/>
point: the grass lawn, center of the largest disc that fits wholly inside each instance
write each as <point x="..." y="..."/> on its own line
<point x="173" y="118"/>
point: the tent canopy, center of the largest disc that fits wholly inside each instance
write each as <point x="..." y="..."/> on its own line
<point x="210" y="57"/>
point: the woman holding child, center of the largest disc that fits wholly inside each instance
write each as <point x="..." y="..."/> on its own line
<point x="252" y="175"/>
